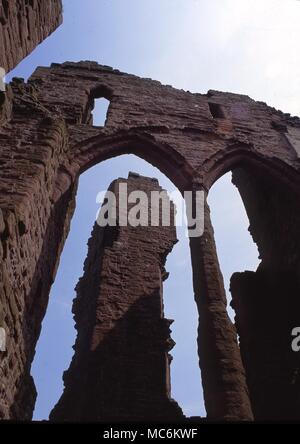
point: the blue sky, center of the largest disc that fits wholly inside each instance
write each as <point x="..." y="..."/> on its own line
<point x="244" y="46"/>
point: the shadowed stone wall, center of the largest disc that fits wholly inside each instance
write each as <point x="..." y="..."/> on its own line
<point x="267" y="302"/>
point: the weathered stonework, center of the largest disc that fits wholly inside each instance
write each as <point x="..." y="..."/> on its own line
<point x="47" y="139"/>
<point x="23" y="25"/>
<point x="120" y="369"/>
<point x="267" y="302"/>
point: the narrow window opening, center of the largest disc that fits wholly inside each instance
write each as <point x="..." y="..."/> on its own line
<point x="236" y="249"/>
<point x="100" y="111"/>
<point x="216" y="110"/>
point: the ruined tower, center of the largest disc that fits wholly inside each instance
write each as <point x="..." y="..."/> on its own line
<point x="120" y="369"/>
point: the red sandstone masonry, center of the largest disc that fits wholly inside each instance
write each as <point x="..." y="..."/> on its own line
<point x="120" y="369"/>
<point x="23" y="25"/>
<point x="47" y="140"/>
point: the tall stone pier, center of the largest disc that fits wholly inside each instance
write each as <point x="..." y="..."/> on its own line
<point x="121" y="366"/>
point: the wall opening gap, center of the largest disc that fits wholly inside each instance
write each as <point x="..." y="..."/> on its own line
<point x="54" y="349"/>
<point x="100" y="111"/>
<point x="216" y="110"/>
<point x="236" y="249"/>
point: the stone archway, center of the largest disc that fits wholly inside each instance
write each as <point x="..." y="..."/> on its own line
<point x="266" y="302"/>
<point x="47" y="138"/>
<point x="57" y="227"/>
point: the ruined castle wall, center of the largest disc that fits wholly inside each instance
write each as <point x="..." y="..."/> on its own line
<point x="32" y="230"/>
<point x="47" y="140"/>
<point x="179" y="124"/>
<point x="120" y="369"/>
<point x="23" y="25"/>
